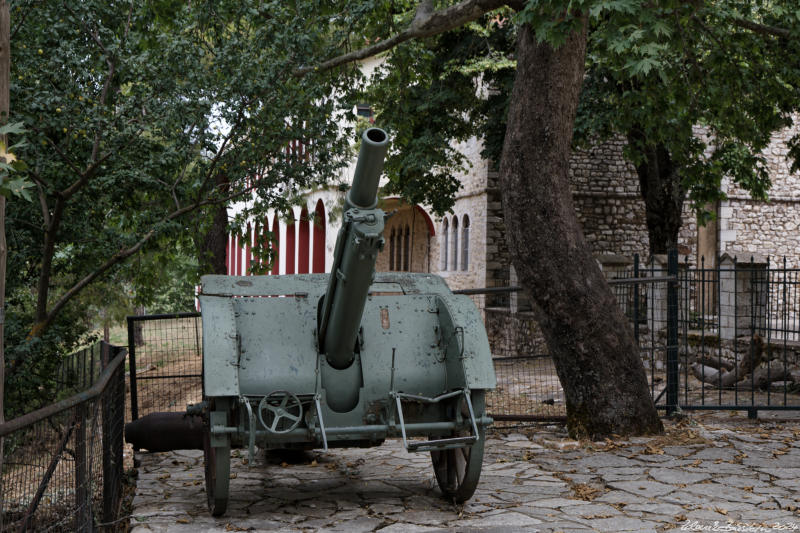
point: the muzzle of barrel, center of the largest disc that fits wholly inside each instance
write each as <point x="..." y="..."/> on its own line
<point x="363" y="193"/>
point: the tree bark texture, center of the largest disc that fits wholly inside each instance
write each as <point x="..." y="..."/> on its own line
<point x="212" y="245"/>
<point x="5" y="106"/>
<point x="662" y="192"/>
<point x="138" y="326"/>
<point x="595" y="354"/>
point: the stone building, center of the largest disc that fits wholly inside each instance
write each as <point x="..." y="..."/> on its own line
<point x="467" y="246"/>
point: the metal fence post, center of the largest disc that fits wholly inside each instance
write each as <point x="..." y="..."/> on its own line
<point x="107" y="400"/>
<point x="673" y="286"/>
<point x="119" y="427"/>
<point x="132" y="364"/>
<point x="82" y="499"/>
<point x="636" y="298"/>
<point x="113" y="419"/>
<point x="107" y="404"/>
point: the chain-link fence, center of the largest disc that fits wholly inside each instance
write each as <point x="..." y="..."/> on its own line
<point x="528" y="389"/>
<point x="62" y="465"/>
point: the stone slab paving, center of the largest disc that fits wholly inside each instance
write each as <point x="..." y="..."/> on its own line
<point x="697" y="477"/>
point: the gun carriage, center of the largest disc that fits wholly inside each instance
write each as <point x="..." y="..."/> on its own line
<point x="346" y="359"/>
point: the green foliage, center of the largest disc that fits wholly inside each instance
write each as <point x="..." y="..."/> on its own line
<point x="11" y="182"/>
<point x="425" y="95"/>
<point x="141" y="118"/>
<point x="32" y="362"/>
<point x="690" y="78"/>
<point x="554" y="20"/>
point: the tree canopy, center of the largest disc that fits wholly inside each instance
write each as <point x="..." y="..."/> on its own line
<point x="140" y="118"/>
<point x="697" y="90"/>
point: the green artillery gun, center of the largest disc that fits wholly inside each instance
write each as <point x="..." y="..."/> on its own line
<point x="346" y="359"/>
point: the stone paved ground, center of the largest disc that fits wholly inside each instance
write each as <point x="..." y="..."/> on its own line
<point x="697" y="477"/>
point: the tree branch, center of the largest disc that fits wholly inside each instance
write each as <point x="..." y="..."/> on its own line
<point x="426" y="23"/>
<point x="21" y="19"/>
<point x="215" y="160"/>
<point x="43" y="203"/>
<point x="44" y="322"/>
<point x="59" y="151"/>
<point x="48" y="250"/>
<point x="762" y="29"/>
<point x="111" y="62"/>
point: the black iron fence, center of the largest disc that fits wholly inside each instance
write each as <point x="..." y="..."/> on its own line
<point x="719" y="336"/>
<point x="62" y="466"/>
<point x="739" y="331"/>
<point x="75" y="372"/>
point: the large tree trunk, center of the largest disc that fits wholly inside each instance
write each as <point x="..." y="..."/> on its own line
<point x="662" y="192"/>
<point x="5" y="107"/>
<point x="591" y="342"/>
<point x="212" y="245"/>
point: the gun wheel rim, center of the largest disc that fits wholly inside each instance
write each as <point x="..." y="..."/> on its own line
<point x="217" y="461"/>
<point x="458" y="470"/>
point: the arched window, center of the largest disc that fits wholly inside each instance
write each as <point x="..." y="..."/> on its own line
<point x="454" y="238"/>
<point x="248" y="252"/>
<point x="465" y="243"/>
<point x="304" y="243"/>
<point x="318" y="257"/>
<point x="276" y="246"/>
<point x="407" y="249"/>
<point x="290" y="246"/>
<point x="391" y="250"/>
<point x="443" y="249"/>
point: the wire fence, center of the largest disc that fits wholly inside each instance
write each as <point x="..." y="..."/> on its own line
<point x="166" y="362"/>
<point x="62" y="466"/>
<point x="693" y="324"/>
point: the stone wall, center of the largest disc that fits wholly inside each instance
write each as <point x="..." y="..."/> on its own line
<point x="472" y="208"/>
<point x="768" y="229"/>
<point x="765" y="228"/>
<point x="498" y="260"/>
<point x="513" y="334"/>
<point x="472" y="201"/>
<point x="605" y="190"/>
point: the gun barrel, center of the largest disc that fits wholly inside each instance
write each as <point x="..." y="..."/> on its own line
<point x="364" y="191"/>
<point x="357" y="246"/>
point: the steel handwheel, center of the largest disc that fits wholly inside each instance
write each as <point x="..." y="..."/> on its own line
<point x="217" y="469"/>
<point x="459" y="469"/>
<point x="280" y="411"/>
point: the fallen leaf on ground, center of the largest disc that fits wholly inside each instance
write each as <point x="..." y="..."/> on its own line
<point x="652" y="449"/>
<point x="586" y="492"/>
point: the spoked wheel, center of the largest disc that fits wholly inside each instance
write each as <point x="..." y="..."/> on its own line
<point x="280" y="412"/>
<point x="217" y="469"/>
<point x="459" y="469"/>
